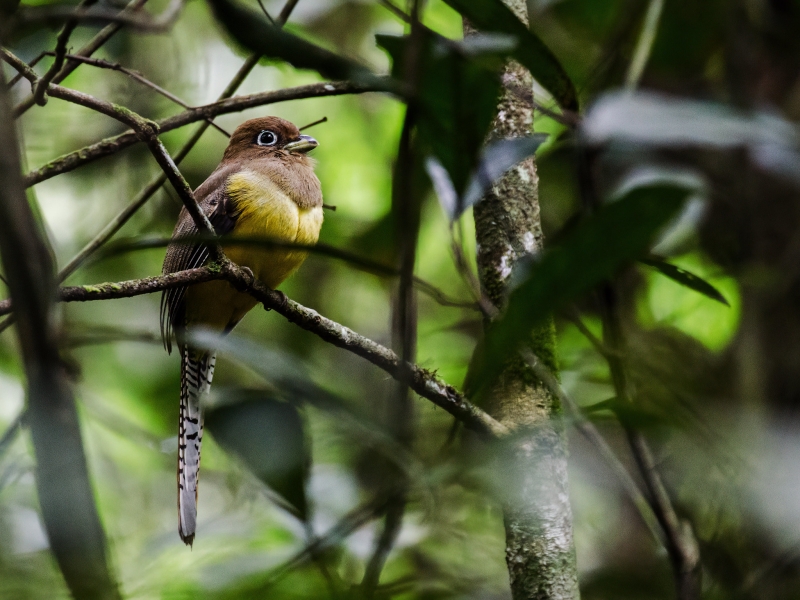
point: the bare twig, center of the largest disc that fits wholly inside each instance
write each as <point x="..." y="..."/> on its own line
<point x="10" y="434"/>
<point x="395" y="10"/>
<point x="90" y="48"/>
<point x="58" y="62"/>
<point x="99" y="14"/>
<point x="116" y="143"/>
<point x="33" y="63"/>
<point x="485" y="305"/>
<point x="574" y="317"/>
<point x="313" y="123"/>
<point x="681" y="545"/>
<point x="590" y="432"/>
<point x="136" y="76"/>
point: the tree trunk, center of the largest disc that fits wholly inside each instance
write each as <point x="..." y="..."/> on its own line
<point x="540" y="552"/>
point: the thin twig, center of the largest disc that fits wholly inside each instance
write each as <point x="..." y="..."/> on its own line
<point x="58" y="62"/>
<point x="574" y="317"/>
<point x="644" y="45"/>
<point x="313" y="123"/>
<point x="565" y="117"/>
<point x="485" y="305"/>
<point x="396" y="10"/>
<point x="10" y="434"/>
<point x="681" y="544"/>
<point x="90" y="48"/>
<point x="33" y="63"/>
<point x="353" y="520"/>
<point x="119" y="142"/>
<point x="99" y="14"/>
<point x="136" y="76"/>
<point x="590" y="432"/>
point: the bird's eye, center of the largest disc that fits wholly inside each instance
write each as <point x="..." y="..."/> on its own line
<point x="266" y="138"/>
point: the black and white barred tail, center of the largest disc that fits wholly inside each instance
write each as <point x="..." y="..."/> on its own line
<point x="197" y="370"/>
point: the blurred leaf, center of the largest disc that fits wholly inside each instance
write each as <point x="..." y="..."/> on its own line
<point x="66" y="498"/>
<point x="251" y="30"/>
<point x="458" y="90"/>
<point x="445" y="192"/>
<point x="494" y="16"/>
<point x="645" y="117"/>
<point x="598" y="247"/>
<point x="268" y="435"/>
<point x="686" y="279"/>
<point x="497" y="158"/>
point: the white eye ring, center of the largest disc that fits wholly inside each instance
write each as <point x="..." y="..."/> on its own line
<point x="266" y="138"/>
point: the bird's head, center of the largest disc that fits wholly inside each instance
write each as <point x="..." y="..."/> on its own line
<point x="267" y="137"/>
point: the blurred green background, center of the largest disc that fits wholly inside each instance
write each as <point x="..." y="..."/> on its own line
<point x="728" y="455"/>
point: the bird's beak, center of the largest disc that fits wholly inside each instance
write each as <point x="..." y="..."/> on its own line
<point x="303" y="144"/>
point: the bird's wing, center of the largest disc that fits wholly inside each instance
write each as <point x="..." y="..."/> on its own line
<point x="221" y="211"/>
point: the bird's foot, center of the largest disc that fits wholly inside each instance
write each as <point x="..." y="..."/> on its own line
<point x="283" y="300"/>
<point x="249" y="273"/>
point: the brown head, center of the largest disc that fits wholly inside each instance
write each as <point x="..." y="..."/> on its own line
<point x="268" y="137"/>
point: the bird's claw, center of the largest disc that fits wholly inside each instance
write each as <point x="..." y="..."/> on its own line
<point x="283" y="300"/>
<point x="249" y="272"/>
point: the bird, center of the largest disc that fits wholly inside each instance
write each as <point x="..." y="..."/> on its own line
<point x="265" y="186"/>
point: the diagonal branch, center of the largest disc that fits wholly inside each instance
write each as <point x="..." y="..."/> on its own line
<point x="58" y="62"/>
<point x="138" y="77"/>
<point x="90" y="48"/>
<point x="422" y="381"/>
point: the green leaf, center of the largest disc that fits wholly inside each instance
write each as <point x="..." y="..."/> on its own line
<point x="458" y="91"/>
<point x="494" y="16"/>
<point x="616" y="235"/>
<point x="686" y="279"/>
<point x="252" y="31"/>
<point x="268" y="436"/>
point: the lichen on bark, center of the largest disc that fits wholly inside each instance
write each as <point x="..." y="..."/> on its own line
<point x="540" y="551"/>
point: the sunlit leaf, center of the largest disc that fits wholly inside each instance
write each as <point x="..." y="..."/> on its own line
<point x="268" y="436"/>
<point x="494" y="16"/>
<point x="686" y="279"/>
<point x="616" y="235"/>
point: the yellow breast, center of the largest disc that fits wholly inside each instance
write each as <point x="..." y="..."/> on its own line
<point x="267" y="211"/>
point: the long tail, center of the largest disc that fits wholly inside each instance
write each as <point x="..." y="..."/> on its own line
<point x="197" y="370"/>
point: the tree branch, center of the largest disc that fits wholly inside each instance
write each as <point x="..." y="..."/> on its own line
<point x="138" y="77"/>
<point x="90" y="48"/>
<point x="422" y="381"/>
<point x="58" y="62"/>
<point x="108" y="146"/>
